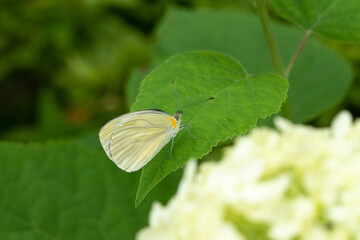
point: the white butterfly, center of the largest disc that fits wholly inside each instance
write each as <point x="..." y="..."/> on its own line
<point x="133" y="139"/>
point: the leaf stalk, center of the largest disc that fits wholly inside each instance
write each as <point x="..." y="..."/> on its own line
<point x="270" y="37"/>
<point x="297" y="53"/>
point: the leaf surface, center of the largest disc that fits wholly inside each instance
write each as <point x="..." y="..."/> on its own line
<point x="334" y="19"/>
<point x="67" y="191"/>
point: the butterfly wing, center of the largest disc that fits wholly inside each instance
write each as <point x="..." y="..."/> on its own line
<point x="133" y="139"/>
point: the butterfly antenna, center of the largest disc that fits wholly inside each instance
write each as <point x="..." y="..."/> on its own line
<point x="197" y="103"/>
<point x="177" y="100"/>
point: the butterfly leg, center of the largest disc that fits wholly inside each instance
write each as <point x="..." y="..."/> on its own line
<point x="184" y="126"/>
<point x="172" y="143"/>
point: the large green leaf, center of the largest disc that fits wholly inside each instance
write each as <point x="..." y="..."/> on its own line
<point x="68" y="191"/>
<point x="335" y="19"/>
<point x="318" y="81"/>
<point x="240" y="99"/>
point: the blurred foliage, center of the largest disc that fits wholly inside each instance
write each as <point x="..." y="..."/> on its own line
<point x="318" y="65"/>
<point x="49" y="197"/>
<point x="338" y="20"/>
<point x="81" y="51"/>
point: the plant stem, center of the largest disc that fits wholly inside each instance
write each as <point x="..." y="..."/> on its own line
<point x="297" y="53"/>
<point x="270" y="38"/>
<point x="273" y="50"/>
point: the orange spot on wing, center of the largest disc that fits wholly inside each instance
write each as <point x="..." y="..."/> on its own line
<point x="173" y="122"/>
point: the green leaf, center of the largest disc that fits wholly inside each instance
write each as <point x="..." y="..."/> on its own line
<point x="68" y="191"/>
<point x="133" y="84"/>
<point x="319" y="79"/>
<point x="240" y="99"/>
<point x="335" y="19"/>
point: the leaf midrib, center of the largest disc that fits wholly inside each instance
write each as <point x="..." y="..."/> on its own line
<point x="321" y="15"/>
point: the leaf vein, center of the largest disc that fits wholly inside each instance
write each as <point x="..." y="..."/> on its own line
<point x="319" y="18"/>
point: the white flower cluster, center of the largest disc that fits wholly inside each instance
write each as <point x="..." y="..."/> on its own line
<point x="296" y="183"/>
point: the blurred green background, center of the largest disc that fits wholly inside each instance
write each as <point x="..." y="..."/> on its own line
<point x="64" y="65"/>
<point x="67" y="67"/>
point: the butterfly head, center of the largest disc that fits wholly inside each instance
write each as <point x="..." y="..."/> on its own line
<point x="178" y="115"/>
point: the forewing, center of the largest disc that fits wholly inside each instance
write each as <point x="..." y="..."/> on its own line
<point x="137" y="150"/>
<point x="133" y="139"/>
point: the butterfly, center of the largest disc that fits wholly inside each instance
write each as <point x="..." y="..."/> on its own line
<point x="133" y="139"/>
